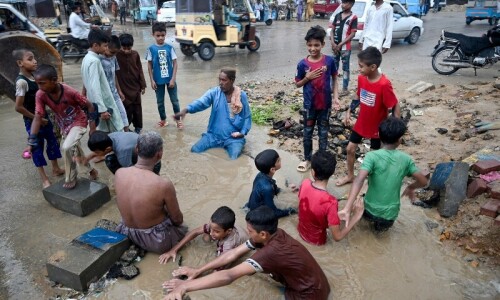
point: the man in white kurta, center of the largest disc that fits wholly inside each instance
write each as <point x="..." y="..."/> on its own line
<point x="98" y="92"/>
<point x="378" y="27"/>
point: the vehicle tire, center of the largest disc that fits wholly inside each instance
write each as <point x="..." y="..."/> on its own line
<point x="490" y="21"/>
<point x="206" y="51"/>
<point x="414" y="36"/>
<point x="446" y="52"/>
<point x="187" y="49"/>
<point x="468" y="21"/>
<point x="269" y="22"/>
<point x="255" y="45"/>
<point x="69" y="50"/>
<point x="322" y="15"/>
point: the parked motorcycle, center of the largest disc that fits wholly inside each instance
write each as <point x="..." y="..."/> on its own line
<point x="456" y="51"/>
<point x="71" y="48"/>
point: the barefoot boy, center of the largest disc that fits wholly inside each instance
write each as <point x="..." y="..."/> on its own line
<point x="317" y="208"/>
<point x="376" y="97"/>
<point x="221" y="229"/>
<point x="67" y="105"/>
<point x="26" y="89"/>
<point x="385" y="169"/>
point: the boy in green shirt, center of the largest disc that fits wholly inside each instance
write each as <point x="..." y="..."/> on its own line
<point x="385" y="168"/>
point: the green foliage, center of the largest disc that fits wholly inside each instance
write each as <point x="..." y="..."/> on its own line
<point x="262" y="114"/>
<point x="296" y="106"/>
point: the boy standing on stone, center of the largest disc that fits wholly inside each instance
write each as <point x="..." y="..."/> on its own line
<point x="316" y="74"/>
<point x="385" y="169"/>
<point x="375" y="97"/>
<point x="131" y="80"/>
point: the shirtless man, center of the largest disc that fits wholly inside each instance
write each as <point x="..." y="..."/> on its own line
<point x="148" y="205"/>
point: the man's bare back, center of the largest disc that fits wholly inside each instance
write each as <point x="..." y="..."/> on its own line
<point x="145" y="199"/>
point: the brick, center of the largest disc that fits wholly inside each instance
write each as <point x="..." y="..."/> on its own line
<point x="85" y="198"/>
<point x="490" y="208"/>
<point x="450" y="179"/>
<point x="494" y="188"/>
<point x="421" y="87"/>
<point x="486" y="166"/>
<point x="87" y="258"/>
<point x="497" y="221"/>
<point x="476" y="188"/>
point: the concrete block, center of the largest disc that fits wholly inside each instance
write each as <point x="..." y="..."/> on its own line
<point x="494" y="188"/>
<point x="490" y="208"/>
<point x="87" y="258"/>
<point x="476" y="188"/>
<point x="86" y="197"/>
<point x="450" y="179"/>
<point x="421" y="87"/>
<point x="497" y="221"/>
<point x="486" y="166"/>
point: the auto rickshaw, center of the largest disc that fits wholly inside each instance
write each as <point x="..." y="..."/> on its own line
<point x="143" y="11"/>
<point x="482" y="10"/>
<point x="200" y="26"/>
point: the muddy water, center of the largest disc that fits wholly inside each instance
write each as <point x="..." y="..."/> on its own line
<point x="406" y="262"/>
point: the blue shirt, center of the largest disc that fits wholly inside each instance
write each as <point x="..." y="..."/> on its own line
<point x="162" y="59"/>
<point x="263" y="191"/>
<point x="221" y="124"/>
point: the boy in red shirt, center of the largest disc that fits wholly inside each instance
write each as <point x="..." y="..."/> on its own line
<point x="318" y="208"/>
<point x="375" y="97"/>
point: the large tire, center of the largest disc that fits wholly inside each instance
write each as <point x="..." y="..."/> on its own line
<point x="468" y="21"/>
<point x="206" y="51"/>
<point x="269" y="22"/>
<point x="443" y="53"/>
<point x="414" y="36"/>
<point x="187" y="49"/>
<point x="254" y="46"/>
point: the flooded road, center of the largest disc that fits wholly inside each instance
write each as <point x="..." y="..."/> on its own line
<point x="407" y="262"/>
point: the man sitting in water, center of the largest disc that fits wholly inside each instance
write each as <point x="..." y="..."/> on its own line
<point x="148" y="205"/>
<point x="230" y="119"/>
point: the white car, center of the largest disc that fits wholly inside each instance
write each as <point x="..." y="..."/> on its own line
<point x="405" y="26"/>
<point x="166" y="14"/>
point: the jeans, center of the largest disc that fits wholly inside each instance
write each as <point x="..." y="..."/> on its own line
<point x="379" y="224"/>
<point x="233" y="146"/>
<point x="345" y="56"/>
<point x="160" y="99"/>
<point x="311" y="118"/>
<point x="46" y="133"/>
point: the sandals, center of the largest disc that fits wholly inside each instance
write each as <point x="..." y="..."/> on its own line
<point x="179" y="123"/>
<point x="26" y="154"/>
<point x="162" y="123"/>
<point x="304" y="166"/>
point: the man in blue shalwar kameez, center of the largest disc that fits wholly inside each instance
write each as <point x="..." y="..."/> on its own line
<point x="230" y="118"/>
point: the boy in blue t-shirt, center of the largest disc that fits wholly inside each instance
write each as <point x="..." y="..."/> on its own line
<point x="316" y="73"/>
<point x="162" y="69"/>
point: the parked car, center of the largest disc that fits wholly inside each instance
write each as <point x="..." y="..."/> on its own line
<point x="405" y="26"/>
<point x="323" y="8"/>
<point x="166" y="13"/>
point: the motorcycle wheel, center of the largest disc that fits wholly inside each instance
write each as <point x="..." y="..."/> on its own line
<point x="441" y="55"/>
<point x="66" y="51"/>
<point x="254" y="46"/>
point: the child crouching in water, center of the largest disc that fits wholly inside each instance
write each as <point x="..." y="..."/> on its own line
<point x="68" y="106"/>
<point x="26" y="89"/>
<point x="221" y="229"/>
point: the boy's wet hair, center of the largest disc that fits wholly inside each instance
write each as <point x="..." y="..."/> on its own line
<point x="370" y="56"/>
<point x="224" y="217"/>
<point x="349" y="1"/>
<point x="127" y="40"/>
<point x="265" y="160"/>
<point x="263" y="218"/>
<point x="230" y="73"/>
<point x="391" y="130"/>
<point x="148" y="144"/>
<point x="99" y="140"/>
<point x="97" y="36"/>
<point x="75" y="6"/>
<point x="114" y="42"/>
<point x="323" y="163"/>
<point x="159" y="27"/>
<point x="18" y="54"/>
<point x="316" y="33"/>
<point x="46" y="72"/>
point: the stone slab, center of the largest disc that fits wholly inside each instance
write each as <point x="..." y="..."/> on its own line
<point x="476" y="188"/>
<point x="494" y="188"/>
<point x="87" y="258"/>
<point x="421" y="87"/>
<point x="85" y="198"/>
<point x="497" y="221"/>
<point x="490" y="208"/>
<point x="486" y="153"/>
<point x="450" y="179"/>
<point x="486" y="166"/>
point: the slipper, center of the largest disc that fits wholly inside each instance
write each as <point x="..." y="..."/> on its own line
<point x="162" y="123"/>
<point x="26" y="154"/>
<point x="278" y="125"/>
<point x="179" y="124"/>
<point x="304" y="166"/>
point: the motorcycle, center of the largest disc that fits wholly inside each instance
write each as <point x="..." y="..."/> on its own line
<point x="69" y="47"/>
<point x="456" y="51"/>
